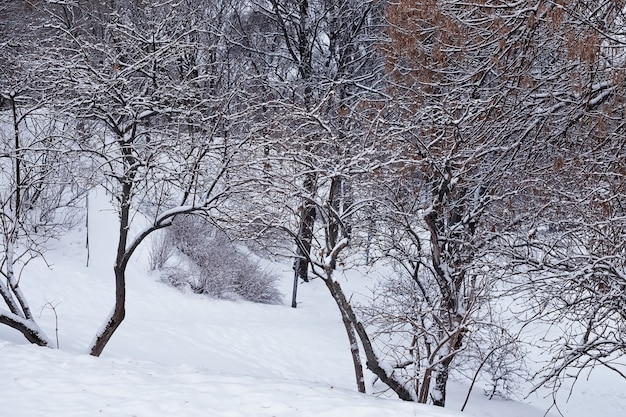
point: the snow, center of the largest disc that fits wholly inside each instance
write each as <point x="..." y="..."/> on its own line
<point x="57" y="383"/>
<point x="180" y="354"/>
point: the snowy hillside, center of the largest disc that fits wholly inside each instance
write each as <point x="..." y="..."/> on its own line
<point x="446" y="179"/>
<point x="186" y="355"/>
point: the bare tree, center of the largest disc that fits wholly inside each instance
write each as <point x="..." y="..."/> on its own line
<point x="38" y="193"/>
<point x="147" y="88"/>
<point x="328" y="252"/>
<point x="470" y="110"/>
<point x="321" y="62"/>
<point x="38" y="199"/>
<point x="572" y="246"/>
<point x="497" y="99"/>
<point x="568" y="259"/>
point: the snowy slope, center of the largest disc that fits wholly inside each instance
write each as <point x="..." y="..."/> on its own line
<point x="47" y="383"/>
<point x="185" y="355"/>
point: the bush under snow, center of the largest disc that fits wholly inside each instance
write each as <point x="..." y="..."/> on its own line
<point x="210" y="263"/>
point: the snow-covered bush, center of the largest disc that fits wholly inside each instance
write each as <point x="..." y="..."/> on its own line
<point x="212" y="264"/>
<point x="161" y="249"/>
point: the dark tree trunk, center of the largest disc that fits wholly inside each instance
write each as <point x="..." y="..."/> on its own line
<point x="119" y="312"/>
<point x="334" y="206"/>
<point x="31" y="335"/>
<point x="443" y="370"/>
<point x="441" y="381"/>
<point x="344" y="308"/>
<point x="18" y="157"/>
<point x="304" y="239"/>
<point x="373" y="364"/>
<point x="121" y="258"/>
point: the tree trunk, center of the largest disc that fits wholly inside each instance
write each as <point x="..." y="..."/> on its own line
<point x="438" y="394"/>
<point x="332" y="229"/>
<point x="348" y="324"/>
<point x="304" y="239"/>
<point x="121" y="260"/>
<point x="442" y="372"/>
<point x="18" y="157"/>
<point x="28" y="328"/>
<point x="373" y="364"/>
<point x="116" y="317"/>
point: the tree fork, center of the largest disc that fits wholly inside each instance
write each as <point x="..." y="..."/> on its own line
<point x="372" y="361"/>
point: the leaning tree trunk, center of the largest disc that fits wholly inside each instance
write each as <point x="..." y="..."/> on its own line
<point x="348" y="324"/>
<point x="19" y="316"/>
<point x="121" y="259"/>
<point x="352" y="324"/>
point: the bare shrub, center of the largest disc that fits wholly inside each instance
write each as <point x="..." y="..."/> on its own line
<point x="176" y="277"/>
<point x="160" y="250"/>
<point x="408" y="330"/>
<point x="214" y="265"/>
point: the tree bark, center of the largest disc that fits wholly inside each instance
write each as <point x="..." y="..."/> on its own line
<point x="343" y="305"/>
<point x="372" y="362"/>
<point x="443" y="370"/>
<point x="116" y="317"/>
<point x="32" y="335"/>
<point x="304" y="239"/>
<point x="121" y="260"/>
<point x="332" y="231"/>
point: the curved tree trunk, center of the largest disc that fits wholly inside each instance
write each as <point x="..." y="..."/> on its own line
<point x="348" y="324"/>
<point x="121" y="260"/>
<point x="116" y="317"/>
<point x="373" y="364"/>
<point x="26" y="327"/>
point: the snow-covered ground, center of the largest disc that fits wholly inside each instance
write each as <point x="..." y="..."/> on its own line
<point x="182" y="354"/>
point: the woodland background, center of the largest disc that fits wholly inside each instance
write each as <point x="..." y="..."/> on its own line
<point x="475" y="148"/>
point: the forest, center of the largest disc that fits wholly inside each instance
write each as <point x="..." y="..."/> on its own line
<point x="476" y="148"/>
